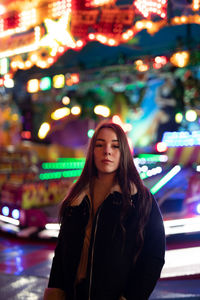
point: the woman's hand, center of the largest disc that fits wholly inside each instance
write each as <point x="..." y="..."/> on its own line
<point x="54" y="294"/>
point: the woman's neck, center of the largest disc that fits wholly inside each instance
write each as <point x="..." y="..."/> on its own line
<point x="102" y="187"/>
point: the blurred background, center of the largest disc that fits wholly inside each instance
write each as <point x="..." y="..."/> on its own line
<point x="67" y="65"/>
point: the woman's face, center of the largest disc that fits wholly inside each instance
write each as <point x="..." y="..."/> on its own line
<point x="106" y="152"/>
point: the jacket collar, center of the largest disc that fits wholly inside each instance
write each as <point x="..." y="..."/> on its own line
<point x="114" y="188"/>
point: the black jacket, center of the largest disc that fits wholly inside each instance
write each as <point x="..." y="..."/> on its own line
<point x="111" y="272"/>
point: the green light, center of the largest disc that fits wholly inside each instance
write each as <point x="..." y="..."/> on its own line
<point x="63" y="165"/>
<point x="45" y="83"/>
<point x="165" y="179"/>
<point x="90" y="133"/>
<point x="53" y="175"/>
<point x="66" y="159"/>
<point x="58" y="175"/>
<point x="153" y="157"/>
<point x="73" y="173"/>
<point x="143" y="175"/>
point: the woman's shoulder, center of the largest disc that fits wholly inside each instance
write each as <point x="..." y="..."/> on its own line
<point x="78" y="200"/>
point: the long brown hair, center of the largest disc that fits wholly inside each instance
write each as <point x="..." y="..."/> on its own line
<point x="127" y="175"/>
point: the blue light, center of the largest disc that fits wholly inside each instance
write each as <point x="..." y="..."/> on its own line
<point x="198" y="208"/>
<point x="15" y="214"/>
<point x="5" y="210"/>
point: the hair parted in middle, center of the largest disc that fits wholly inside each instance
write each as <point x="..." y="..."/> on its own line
<point x="126" y="176"/>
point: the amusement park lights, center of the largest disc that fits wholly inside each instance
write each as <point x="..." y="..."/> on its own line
<point x="66" y="100"/>
<point x="146" y="7"/>
<point x="76" y="110"/>
<point x="195" y="5"/>
<point x="179" y="117"/>
<point x="102" y="110"/>
<point x="33" y="85"/>
<point x="60" y="113"/>
<point x="180" y="59"/>
<point x="58" y="81"/>
<point x="191" y="115"/>
<point x="43" y="130"/>
<point x="58" y="33"/>
<point x="181" y="139"/>
<point x="125" y="126"/>
<point x="175" y="170"/>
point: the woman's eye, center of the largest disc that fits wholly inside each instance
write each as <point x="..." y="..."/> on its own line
<point x="115" y="146"/>
<point x="98" y="145"/>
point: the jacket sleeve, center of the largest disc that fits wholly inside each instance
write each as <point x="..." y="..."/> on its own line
<point x="146" y="272"/>
<point x="56" y="279"/>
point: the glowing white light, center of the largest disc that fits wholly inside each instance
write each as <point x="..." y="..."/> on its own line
<point x="181" y="262"/>
<point x="52" y="226"/>
<point x="102" y="110"/>
<point x="9" y="220"/>
<point x="198" y="208"/>
<point x="191" y="115"/>
<point x="75" y="110"/>
<point x="180" y="226"/>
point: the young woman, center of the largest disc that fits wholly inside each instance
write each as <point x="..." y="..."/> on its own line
<point x="111" y="243"/>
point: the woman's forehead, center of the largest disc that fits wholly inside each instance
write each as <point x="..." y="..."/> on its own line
<point x="107" y="133"/>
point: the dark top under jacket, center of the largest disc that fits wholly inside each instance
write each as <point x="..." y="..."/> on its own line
<point x="111" y="272"/>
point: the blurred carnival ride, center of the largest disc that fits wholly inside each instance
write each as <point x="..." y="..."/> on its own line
<point x="31" y="190"/>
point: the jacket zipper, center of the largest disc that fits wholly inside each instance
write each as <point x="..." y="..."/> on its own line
<point x="88" y="204"/>
<point x="92" y="255"/>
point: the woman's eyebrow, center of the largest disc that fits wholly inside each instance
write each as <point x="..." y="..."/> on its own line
<point x="104" y="140"/>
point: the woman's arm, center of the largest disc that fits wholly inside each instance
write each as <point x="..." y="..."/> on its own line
<point x="146" y="272"/>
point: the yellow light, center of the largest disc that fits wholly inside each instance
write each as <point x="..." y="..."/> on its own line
<point x="44" y="129"/>
<point x="28" y="64"/>
<point x="176" y="19"/>
<point x="58" y="33"/>
<point x="138" y="62"/>
<point x="91" y="36"/>
<point x="66" y="100"/>
<point x="24" y="49"/>
<point x="139" y="25"/>
<point x="143" y="68"/>
<point x="180" y="59"/>
<point x="130" y="32"/>
<point x="179" y="117"/>
<point x="60" y="113"/>
<point x="58" y="81"/>
<point x="195" y="5"/>
<point x="191" y="115"/>
<point x="149" y="25"/>
<point x="102" y="110"/>
<point x="183" y="19"/>
<point x="33" y="85"/>
<point x="111" y="42"/>
<point x="15" y="117"/>
<point x="61" y="49"/>
<point x="125" y="36"/>
<point x="2" y="9"/>
<point x="79" y="43"/>
<point x="34" y="57"/>
<point x="50" y="60"/>
<point x="9" y="83"/>
<point x="101" y="38"/>
<point x="75" y="110"/>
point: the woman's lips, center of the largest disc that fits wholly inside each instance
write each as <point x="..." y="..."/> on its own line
<point x="106" y="161"/>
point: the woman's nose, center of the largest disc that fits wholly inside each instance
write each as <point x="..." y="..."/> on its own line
<point x="107" y="150"/>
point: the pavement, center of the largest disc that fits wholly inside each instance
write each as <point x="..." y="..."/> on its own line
<point x="25" y="266"/>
